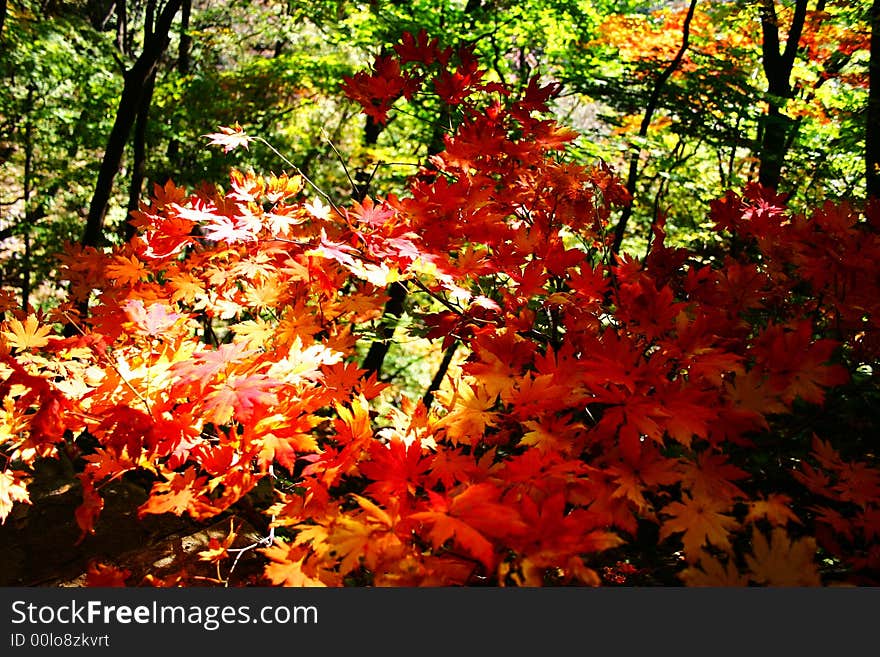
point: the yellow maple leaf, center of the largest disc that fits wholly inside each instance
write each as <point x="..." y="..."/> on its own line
<point x="126" y="271"/>
<point x="28" y="335"/>
<point x="286" y="566"/>
<point x="781" y="561"/>
<point x="470" y="413"/>
<point x="254" y="333"/>
<point x="13" y="488"/>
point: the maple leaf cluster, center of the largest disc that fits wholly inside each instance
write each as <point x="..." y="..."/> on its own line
<point x="605" y="409"/>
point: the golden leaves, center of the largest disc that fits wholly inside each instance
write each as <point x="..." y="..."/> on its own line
<point x="13" y="488"/>
<point x="28" y="335"/>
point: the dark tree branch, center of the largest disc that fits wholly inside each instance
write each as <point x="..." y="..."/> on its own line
<point x="392" y="312"/>
<point x="650" y="108"/>
<point x="776" y="126"/>
<point x="130" y="100"/>
<point x="139" y="156"/>
<point x="428" y="397"/>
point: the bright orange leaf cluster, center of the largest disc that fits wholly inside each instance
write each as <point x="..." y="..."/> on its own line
<point x="608" y="407"/>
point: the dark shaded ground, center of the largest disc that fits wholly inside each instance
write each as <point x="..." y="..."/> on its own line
<point x="38" y="541"/>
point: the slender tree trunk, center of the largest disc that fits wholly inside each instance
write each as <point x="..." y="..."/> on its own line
<point x="139" y="156"/>
<point x="778" y="65"/>
<point x="397" y="291"/>
<point x="139" y="139"/>
<point x="130" y="101"/>
<point x="650" y="108"/>
<point x="184" y="48"/>
<point x="122" y="40"/>
<point x="872" y="132"/>
<point x="28" y="210"/>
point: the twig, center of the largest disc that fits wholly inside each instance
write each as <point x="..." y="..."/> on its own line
<point x="116" y="369"/>
<point x="299" y="172"/>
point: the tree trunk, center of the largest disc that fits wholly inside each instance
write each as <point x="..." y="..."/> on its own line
<point x="133" y="94"/>
<point x="139" y="140"/>
<point x="778" y="65"/>
<point x="872" y="132"/>
<point x="139" y="156"/>
<point x="122" y="40"/>
<point x="185" y="46"/>
<point x="28" y="209"/>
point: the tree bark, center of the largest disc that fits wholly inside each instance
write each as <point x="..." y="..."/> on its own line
<point x="130" y="101"/>
<point x="778" y="65"/>
<point x="872" y="131"/>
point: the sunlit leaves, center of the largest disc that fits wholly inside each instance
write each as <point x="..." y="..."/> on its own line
<point x="22" y="336"/>
<point x="13" y="488"/>
<point x="229" y="138"/>
<point x="590" y="403"/>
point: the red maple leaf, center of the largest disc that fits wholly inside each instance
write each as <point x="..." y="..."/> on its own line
<point x="395" y="469"/>
<point x="376" y="91"/>
<point x="240" y="397"/>
<point x="421" y="49"/>
<point x="470" y="519"/>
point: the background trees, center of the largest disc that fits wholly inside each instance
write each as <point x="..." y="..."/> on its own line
<point x="744" y="101"/>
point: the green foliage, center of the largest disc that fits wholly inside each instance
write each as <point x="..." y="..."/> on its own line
<point x="58" y="82"/>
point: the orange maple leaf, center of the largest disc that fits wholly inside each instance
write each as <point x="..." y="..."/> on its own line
<point x="711" y="476"/>
<point x="702" y="521"/>
<point x="781" y="561"/>
<point x="218" y="550"/>
<point x="126" y="271"/>
<point x="469" y="518"/>
<point x="106" y="575"/>
<point x="177" y="495"/>
<point x="775" y="509"/>
<point x="444" y="527"/>
<point x="710" y="571"/>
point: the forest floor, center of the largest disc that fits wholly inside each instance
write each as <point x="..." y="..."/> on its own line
<point x="39" y="542"/>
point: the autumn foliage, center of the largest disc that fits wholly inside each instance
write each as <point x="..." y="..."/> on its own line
<point x="686" y="417"/>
